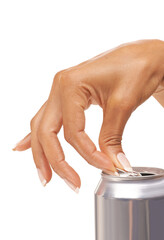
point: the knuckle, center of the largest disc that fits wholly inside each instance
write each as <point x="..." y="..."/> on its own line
<point x="69" y="135"/>
<point x="110" y="140"/>
<point x="60" y="163"/>
<point x="123" y="103"/>
<point x="32" y="123"/>
<point x="68" y="77"/>
<point x="57" y="76"/>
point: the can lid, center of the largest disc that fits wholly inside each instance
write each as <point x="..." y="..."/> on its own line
<point x="139" y="173"/>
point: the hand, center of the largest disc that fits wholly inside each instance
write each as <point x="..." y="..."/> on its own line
<point x="119" y="81"/>
<point x="159" y="95"/>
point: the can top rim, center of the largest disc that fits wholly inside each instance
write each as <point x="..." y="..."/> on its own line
<point x="148" y="173"/>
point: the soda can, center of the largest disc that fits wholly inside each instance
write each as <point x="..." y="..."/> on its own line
<point x="130" y="207"/>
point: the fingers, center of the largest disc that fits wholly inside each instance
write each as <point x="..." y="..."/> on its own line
<point x="31" y="140"/>
<point x="74" y="123"/>
<point x="42" y="165"/>
<point x="56" y="158"/>
<point x="116" y="114"/>
<point x="47" y="134"/>
<point x="24" y="144"/>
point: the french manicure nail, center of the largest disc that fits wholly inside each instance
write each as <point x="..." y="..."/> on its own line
<point x="124" y="162"/>
<point x="15" y="147"/>
<point x="74" y="188"/>
<point x="116" y="174"/>
<point x="41" y="177"/>
<point x="111" y="173"/>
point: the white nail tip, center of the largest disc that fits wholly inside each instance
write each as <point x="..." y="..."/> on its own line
<point x="44" y="182"/>
<point x="116" y="174"/>
<point x="76" y="189"/>
<point x="41" y="177"/>
<point x="128" y="169"/>
<point x="124" y="162"/>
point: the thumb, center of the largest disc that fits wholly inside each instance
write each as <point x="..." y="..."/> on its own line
<point x="115" y="116"/>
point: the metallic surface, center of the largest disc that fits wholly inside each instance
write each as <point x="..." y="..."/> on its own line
<point x="126" y="174"/>
<point x="131" y="207"/>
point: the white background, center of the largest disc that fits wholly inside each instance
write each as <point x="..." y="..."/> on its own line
<point x="37" y="39"/>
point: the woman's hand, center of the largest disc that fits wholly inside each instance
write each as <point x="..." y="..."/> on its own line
<point x="119" y="81"/>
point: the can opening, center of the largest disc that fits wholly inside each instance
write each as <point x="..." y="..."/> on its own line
<point x="144" y="173"/>
<point x="147" y="174"/>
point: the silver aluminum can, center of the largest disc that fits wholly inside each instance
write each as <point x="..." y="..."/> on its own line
<point x="130" y="208"/>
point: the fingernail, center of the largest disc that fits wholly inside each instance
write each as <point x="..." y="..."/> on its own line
<point x="116" y="174"/>
<point x="15" y="147"/>
<point x="74" y="188"/>
<point x="124" y="162"/>
<point x="41" y="177"/>
<point x="112" y="173"/>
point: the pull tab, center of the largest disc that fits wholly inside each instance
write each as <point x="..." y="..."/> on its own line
<point x="123" y="173"/>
